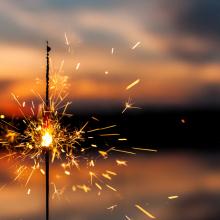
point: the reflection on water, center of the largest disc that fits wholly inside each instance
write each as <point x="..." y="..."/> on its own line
<point x="148" y="181"/>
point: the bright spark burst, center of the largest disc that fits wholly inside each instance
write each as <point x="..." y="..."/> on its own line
<point x="129" y="105"/>
<point x="46" y="139"/>
<point x="44" y="129"/>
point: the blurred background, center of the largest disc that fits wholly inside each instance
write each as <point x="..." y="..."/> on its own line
<point x="172" y="47"/>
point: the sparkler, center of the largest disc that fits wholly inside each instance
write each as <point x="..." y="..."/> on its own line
<point x="45" y="136"/>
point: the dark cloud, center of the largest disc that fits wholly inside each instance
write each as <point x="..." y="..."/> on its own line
<point x="200" y="206"/>
<point x="200" y="17"/>
<point x="195" y="19"/>
<point x="206" y="56"/>
<point x="207" y="96"/>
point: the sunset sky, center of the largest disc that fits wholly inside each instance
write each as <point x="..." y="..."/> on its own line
<point x="177" y="61"/>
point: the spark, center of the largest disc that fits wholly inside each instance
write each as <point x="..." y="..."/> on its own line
<point x="11" y="136"/>
<point x="132" y="84"/>
<point x="91" y="163"/>
<point x="100" y="129"/>
<point x="145" y="211"/>
<point x="173" y="197"/>
<point x="42" y="171"/>
<point x="94" y="118"/>
<point x="122" y="139"/>
<point x="136" y="45"/>
<point x="60" y="70"/>
<point x="73" y="188"/>
<point x="29" y="192"/>
<point x="66" y="39"/>
<point x="144" y="149"/>
<point x="32" y="103"/>
<point x="107" y="176"/>
<point x="103" y="153"/>
<point x="128" y="218"/>
<point x="112" y="188"/>
<point x="2" y="187"/>
<point x="84" y="188"/>
<point x="106" y="72"/>
<point x="91" y="176"/>
<point x="57" y="192"/>
<point x="111" y="172"/>
<point x="16" y="99"/>
<point x="112" y="50"/>
<point x="112" y="207"/>
<point x="20" y="172"/>
<point x="105" y="135"/>
<point x="123" y="151"/>
<point x="8" y="155"/>
<point x="98" y="186"/>
<point x="77" y="66"/>
<point x="121" y="162"/>
<point x="33" y="169"/>
<point x="2" y="116"/>
<point x="67" y="173"/>
<point x="129" y="105"/>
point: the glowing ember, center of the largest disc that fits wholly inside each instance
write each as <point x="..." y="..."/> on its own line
<point x="2" y="116"/>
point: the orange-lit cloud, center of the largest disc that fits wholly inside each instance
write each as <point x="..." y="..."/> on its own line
<point x="175" y="65"/>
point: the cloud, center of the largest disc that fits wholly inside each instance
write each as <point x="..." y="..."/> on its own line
<point x="172" y="61"/>
<point x="196" y="21"/>
<point x="207" y="96"/>
<point x="199" y="17"/>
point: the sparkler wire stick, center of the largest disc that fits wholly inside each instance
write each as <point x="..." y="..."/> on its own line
<point x="47" y="153"/>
